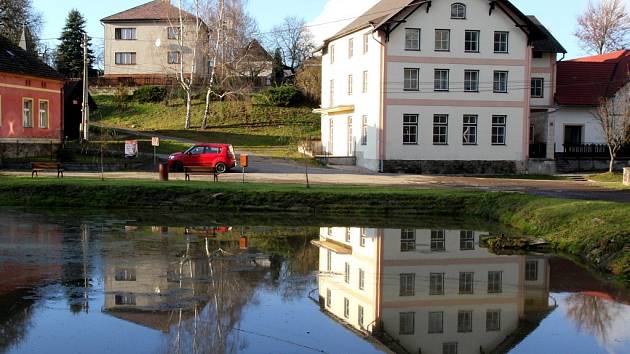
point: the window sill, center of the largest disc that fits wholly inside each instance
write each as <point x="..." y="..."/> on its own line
<point x="410" y="144"/>
<point x="440" y="90"/>
<point x="472" y="91"/>
<point x="411" y="50"/>
<point x="443" y="50"/>
<point x="501" y="52"/>
<point x="470" y="144"/>
<point x="439" y="144"/>
<point x="500" y="92"/>
<point x="411" y="90"/>
<point x="499" y="144"/>
<point x="472" y="51"/>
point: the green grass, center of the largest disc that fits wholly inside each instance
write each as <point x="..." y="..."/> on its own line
<point x="527" y="177"/>
<point x="597" y="232"/>
<point x="607" y="177"/>
<point x="266" y="131"/>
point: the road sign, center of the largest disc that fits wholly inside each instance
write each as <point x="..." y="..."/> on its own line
<point x="155" y="141"/>
<point x="131" y="148"/>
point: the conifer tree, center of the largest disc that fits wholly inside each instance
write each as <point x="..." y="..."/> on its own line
<point x="278" y="67"/>
<point x="69" y="57"/>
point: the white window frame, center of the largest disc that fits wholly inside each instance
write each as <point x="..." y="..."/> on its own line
<point x="449" y="348"/>
<point x="466" y="240"/>
<point x="442" y="40"/>
<point x="464" y="321"/>
<point x="458" y="11"/>
<point x="499" y="129"/>
<point x="346" y="274"/>
<point x="531" y="270"/>
<point x="350" y="148"/>
<point x="365" y="81"/>
<point x="441" y="80"/>
<point x="413" y="39"/>
<point x="472" y="42"/>
<point x="361" y="279"/>
<point x="440" y="129"/>
<point x="436" y="284"/>
<point x="44" y="114"/>
<point x="27" y="113"/>
<point x="466" y="283"/>
<point x="493" y="320"/>
<point x="328" y="298"/>
<point x="538" y="87"/>
<point x="360" y="316"/>
<point x="125" y="58"/>
<point x="350" y="48"/>
<point x="435" y="323"/>
<point x="411" y="79"/>
<point x="364" y="131"/>
<point x="471" y="80"/>
<point x="470" y="129"/>
<point x="332" y="93"/>
<point x="331" y="53"/>
<point x="350" y="84"/>
<point x="173" y="32"/>
<point x="346" y="307"/>
<point x="500" y="81"/>
<point x="125" y="34"/>
<point x="410" y="129"/>
<point x="366" y="43"/>
<point x="501" y="42"/>
<point x="407" y="240"/>
<point x="407" y="323"/>
<point x="174" y="57"/>
<point x="495" y="282"/>
<point x="407" y="284"/>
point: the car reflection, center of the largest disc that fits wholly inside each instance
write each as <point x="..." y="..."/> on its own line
<point x="430" y="291"/>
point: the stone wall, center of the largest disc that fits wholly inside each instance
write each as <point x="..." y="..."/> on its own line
<point x="25" y="150"/>
<point x="454" y="167"/>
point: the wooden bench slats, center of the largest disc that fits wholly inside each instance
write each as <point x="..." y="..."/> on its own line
<point x="46" y="166"/>
<point x="200" y="170"/>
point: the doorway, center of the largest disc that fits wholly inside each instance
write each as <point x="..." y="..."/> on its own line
<point x="573" y="135"/>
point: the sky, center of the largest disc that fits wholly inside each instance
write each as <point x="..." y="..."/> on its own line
<point x="325" y="17"/>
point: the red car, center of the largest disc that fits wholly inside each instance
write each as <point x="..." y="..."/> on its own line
<point x="219" y="156"/>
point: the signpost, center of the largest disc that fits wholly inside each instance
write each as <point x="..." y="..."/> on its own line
<point x="155" y="142"/>
<point x="131" y="148"/>
<point x="244" y="162"/>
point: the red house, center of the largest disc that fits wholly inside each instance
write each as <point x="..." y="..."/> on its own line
<point x="31" y="104"/>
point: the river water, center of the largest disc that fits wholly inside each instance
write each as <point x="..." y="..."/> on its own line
<point x="98" y="283"/>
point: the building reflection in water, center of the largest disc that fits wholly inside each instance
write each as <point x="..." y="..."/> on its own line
<point x="430" y="291"/>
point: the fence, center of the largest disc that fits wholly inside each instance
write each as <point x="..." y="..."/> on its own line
<point x="593" y="150"/>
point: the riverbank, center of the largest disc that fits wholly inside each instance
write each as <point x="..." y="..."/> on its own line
<point x="597" y="232"/>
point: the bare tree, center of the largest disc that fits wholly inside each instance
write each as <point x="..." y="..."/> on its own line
<point x="231" y="59"/>
<point x="308" y="79"/>
<point x="604" y="26"/>
<point x="613" y="114"/>
<point x="294" y="40"/>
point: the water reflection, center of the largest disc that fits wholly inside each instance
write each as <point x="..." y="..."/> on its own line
<point x="430" y="291"/>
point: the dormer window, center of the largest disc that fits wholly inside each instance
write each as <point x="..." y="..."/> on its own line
<point x="458" y="11"/>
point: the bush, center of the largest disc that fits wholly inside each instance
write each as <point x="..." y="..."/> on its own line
<point x="280" y="96"/>
<point x="150" y="94"/>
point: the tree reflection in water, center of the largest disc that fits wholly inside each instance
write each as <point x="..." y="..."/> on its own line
<point x="591" y="313"/>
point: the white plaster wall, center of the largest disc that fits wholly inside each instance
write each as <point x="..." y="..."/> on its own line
<point x="591" y="133"/>
<point x="455" y="150"/>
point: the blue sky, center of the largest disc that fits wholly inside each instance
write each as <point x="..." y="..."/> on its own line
<point x="555" y="14"/>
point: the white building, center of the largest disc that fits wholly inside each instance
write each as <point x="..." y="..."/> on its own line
<point x="437" y="86"/>
<point x="430" y="291"/>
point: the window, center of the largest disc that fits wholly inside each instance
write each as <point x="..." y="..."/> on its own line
<point x="436" y="322"/>
<point x="360" y="316"/>
<point x="466" y="283"/>
<point x="349" y="85"/>
<point x="493" y="320"/>
<point x="471" y="41"/>
<point x="501" y="42"/>
<point x="407" y="284"/>
<point x="174" y="57"/>
<point x="438" y="240"/>
<point x="361" y="279"/>
<point x="365" y="82"/>
<point x="466" y="240"/>
<point x="538" y="87"/>
<point x="412" y="39"/>
<point x="350" y="48"/>
<point x="407" y="323"/>
<point x="469" y="136"/>
<point x="531" y="270"/>
<point x="442" y="40"/>
<point x="346" y="307"/>
<point x="407" y="240"/>
<point x="449" y="348"/>
<point x="441" y="80"/>
<point x="366" y="41"/>
<point x="436" y="284"/>
<point x="328" y="297"/>
<point x="495" y="285"/>
<point x="125" y="33"/>
<point x="125" y="299"/>
<point x="332" y="93"/>
<point x="498" y="130"/>
<point x="410" y="129"/>
<point x="43" y="114"/>
<point x="346" y="274"/>
<point x="464" y="321"/>
<point x="332" y="54"/>
<point x="172" y="32"/>
<point x="363" y="237"/>
<point x="348" y="230"/>
<point x="364" y="130"/>
<point x="125" y="58"/>
<point x="412" y="78"/>
<point x="350" y="149"/>
<point x="329" y="260"/>
<point x="27" y="112"/>
<point x="500" y="82"/>
<point x="440" y="129"/>
<point x="125" y="274"/>
<point x="330" y="231"/>
<point x="458" y="11"/>
<point x="471" y="80"/>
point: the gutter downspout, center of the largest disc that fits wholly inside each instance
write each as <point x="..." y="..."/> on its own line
<point x="383" y="86"/>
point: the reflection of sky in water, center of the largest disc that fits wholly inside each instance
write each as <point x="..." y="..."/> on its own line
<point x="583" y="323"/>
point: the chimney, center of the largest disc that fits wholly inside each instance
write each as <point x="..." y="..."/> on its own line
<point x="23" y="38"/>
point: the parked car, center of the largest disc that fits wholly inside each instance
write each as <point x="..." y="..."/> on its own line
<point x="219" y="156"/>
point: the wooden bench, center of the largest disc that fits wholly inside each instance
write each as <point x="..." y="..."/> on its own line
<point x="46" y="166"/>
<point x="200" y="170"/>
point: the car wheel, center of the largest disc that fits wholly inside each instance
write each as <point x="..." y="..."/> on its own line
<point x="178" y="167"/>
<point x="220" y="167"/>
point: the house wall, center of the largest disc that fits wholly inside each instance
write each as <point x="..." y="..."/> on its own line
<point x="151" y="59"/>
<point x="13" y="90"/>
<point x="545" y="68"/>
<point x="592" y="131"/>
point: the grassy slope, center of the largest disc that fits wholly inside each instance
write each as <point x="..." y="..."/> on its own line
<point x="270" y="131"/>
<point x="598" y="232"/>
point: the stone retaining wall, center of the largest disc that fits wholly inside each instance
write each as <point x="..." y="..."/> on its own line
<point x="454" y="167"/>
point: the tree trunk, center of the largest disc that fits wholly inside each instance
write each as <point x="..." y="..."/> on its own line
<point x="206" y="111"/>
<point x="611" y="168"/>
<point x="188" y="109"/>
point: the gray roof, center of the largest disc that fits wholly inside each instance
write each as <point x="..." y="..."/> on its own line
<point x="549" y="45"/>
<point x="382" y="10"/>
<point x="16" y="60"/>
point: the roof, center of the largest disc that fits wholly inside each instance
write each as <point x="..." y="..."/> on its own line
<point x="394" y="12"/>
<point x="157" y="10"/>
<point x="549" y="44"/>
<point x="584" y="81"/>
<point x="16" y="60"/>
<point x="255" y="50"/>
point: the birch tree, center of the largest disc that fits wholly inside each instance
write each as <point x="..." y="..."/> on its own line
<point x="604" y="27"/>
<point x="613" y="115"/>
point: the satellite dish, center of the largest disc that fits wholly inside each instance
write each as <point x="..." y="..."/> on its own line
<point x="158" y="43"/>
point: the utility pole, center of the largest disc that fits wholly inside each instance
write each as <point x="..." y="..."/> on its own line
<point x="85" y="110"/>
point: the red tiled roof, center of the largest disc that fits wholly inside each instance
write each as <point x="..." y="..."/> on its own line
<point x="158" y="10"/>
<point x="585" y="81"/>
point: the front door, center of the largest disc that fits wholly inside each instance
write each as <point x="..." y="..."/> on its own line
<point x="573" y="135"/>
